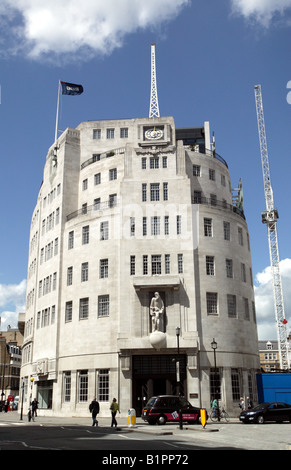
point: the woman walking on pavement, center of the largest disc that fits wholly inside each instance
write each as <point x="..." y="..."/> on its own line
<point x="114" y="407"/>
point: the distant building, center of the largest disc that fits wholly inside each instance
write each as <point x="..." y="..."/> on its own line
<point x="10" y="362"/>
<point x="269" y="355"/>
<point x="130" y="208"/>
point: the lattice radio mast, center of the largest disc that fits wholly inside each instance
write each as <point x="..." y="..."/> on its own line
<point x="154" y="104"/>
<point x="269" y="217"/>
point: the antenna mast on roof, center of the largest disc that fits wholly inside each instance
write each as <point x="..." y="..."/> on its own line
<point x="154" y="104"/>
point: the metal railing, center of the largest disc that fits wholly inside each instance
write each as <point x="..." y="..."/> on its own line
<point x="219" y="204"/>
<point x="94" y="209"/>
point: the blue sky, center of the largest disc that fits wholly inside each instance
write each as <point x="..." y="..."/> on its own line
<point x="209" y="53"/>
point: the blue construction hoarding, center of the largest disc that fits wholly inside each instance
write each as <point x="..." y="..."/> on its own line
<point x="274" y="387"/>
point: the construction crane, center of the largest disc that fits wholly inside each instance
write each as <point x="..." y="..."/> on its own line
<point x="154" y="104"/>
<point x="270" y="217"/>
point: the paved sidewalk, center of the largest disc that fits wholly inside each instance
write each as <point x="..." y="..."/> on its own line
<point x="271" y="436"/>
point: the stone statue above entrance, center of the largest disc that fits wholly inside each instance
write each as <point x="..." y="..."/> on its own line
<point x="157" y="315"/>
<point x="156" y="311"/>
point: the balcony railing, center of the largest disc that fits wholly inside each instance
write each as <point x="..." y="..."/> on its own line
<point x="94" y="209"/>
<point x="219" y="204"/>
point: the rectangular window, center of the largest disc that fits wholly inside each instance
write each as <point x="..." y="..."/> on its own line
<point x="226" y="230"/>
<point x="112" y="174"/>
<point x="85" y="184"/>
<point x="103" y="306"/>
<point x="144" y="192"/>
<point x="144" y="226"/>
<point x="144" y="163"/>
<point x="124" y="132"/>
<point x="240" y="236"/>
<point x="103" y="268"/>
<point x="167" y="264"/>
<point x="83" y="385"/>
<point x="84" y="308"/>
<point x="112" y="200"/>
<point x="246" y="309"/>
<point x="71" y="240"/>
<point x="67" y="386"/>
<point x="110" y="133"/>
<point x="211" y="303"/>
<point x="179" y="224"/>
<point x="155" y="191"/>
<point x="156" y="264"/>
<point x="208" y="227"/>
<point x="243" y="272"/>
<point x="132" y="226"/>
<point x="96" y="205"/>
<point x="166" y="224"/>
<point x="69" y="311"/>
<point x="211" y="174"/>
<point x="215" y="383"/>
<point x="97" y="134"/>
<point x="103" y="385"/>
<point x="165" y="191"/>
<point x="154" y="162"/>
<point x="85" y="272"/>
<point x="196" y="170"/>
<point x="85" y="235"/>
<point x="165" y="162"/>
<point x="145" y="264"/>
<point x="155" y="225"/>
<point x="197" y="197"/>
<point x="231" y="305"/>
<point x="228" y="266"/>
<point x="235" y="384"/>
<point x="180" y="263"/>
<point x="210" y="265"/>
<point x="132" y="265"/>
<point x="104" y="231"/>
<point x="97" y="178"/>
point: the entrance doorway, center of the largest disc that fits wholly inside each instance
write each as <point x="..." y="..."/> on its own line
<point x="156" y="375"/>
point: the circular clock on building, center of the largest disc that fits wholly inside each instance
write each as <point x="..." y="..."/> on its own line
<point x="154" y="133"/>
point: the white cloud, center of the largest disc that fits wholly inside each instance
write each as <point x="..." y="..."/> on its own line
<point x="12" y="302"/>
<point x="262" y="11"/>
<point x="79" y="30"/>
<point x="265" y="301"/>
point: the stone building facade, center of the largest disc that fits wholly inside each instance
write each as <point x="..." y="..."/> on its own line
<point x="130" y="208"/>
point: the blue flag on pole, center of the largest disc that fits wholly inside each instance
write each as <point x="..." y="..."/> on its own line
<point x="71" y="89"/>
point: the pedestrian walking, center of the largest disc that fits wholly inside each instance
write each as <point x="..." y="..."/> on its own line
<point x="34" y="407"/>
<point x="94" y="409"/>
<point x="249" y="403"/>
<point x="242" y="404"/>
<point x="114" y="407"/>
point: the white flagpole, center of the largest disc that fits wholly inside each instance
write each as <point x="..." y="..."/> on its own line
<point x="57" y="116"/>
<point x="57" y="123"/>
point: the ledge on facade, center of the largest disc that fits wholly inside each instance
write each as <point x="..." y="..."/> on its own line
<point x="21" y="322"/>
<point x="145" y="282"/>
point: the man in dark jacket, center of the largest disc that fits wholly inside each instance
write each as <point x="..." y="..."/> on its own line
<point x="94" y="409"/>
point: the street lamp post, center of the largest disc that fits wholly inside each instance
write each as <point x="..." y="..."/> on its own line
<point x="178" y="330"/>
<point x="214" y="347"/>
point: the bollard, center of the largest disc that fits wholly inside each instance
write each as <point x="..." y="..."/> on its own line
<point x="203" y="417"/>
<point x="131" y="417"/>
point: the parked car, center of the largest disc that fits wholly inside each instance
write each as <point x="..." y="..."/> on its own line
<point x="275" y="411"/>
<point x="165" y="408"/>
